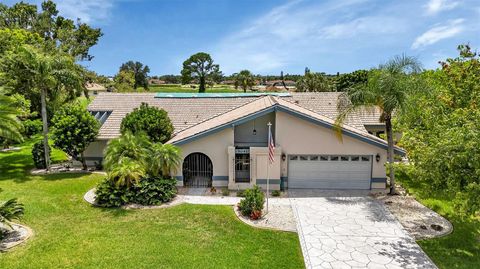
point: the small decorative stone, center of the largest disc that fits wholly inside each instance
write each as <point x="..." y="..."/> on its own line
<point x="436" y="227"/>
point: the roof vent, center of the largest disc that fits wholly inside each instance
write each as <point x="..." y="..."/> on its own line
<point x="185" y="122"/>
<point x="297" y="102"/>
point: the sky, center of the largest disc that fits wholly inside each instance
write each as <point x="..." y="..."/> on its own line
<point x="270" y="36"/>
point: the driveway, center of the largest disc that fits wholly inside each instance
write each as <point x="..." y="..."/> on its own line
<point x="353" y="232"/>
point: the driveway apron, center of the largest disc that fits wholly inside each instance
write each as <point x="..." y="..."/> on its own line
<point x="354" y="232"/>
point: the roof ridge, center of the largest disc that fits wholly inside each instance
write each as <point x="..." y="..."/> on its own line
<point x="224" y="112"/>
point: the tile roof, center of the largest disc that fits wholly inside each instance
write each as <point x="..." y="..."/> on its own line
<point x="188" y="112"/>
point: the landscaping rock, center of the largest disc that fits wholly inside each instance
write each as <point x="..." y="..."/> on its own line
<point x="18" y="235"/>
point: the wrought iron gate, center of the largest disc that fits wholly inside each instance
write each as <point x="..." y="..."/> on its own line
<point x="197" y="170"/>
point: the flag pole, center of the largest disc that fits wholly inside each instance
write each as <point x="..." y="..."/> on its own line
<point x="268" y="160"/>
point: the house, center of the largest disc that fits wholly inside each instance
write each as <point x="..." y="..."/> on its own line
<point x="223" y="138"/>
<point x="154" y="81"/>
<point x="94" y="88"/>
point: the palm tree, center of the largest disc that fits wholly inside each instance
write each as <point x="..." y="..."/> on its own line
<point x="127" y="172"/>
<point x="387" y="89"/>
<point x="10" y="210"/>
<point x="163" y="159"/>
<point x="245" y="80"/>
<point x="314" y="82"/>
<point x="10" y="125"/>
<point x="54" y="73"/>
<point x="134" y="147"/>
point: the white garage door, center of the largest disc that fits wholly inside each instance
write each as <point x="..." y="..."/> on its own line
<point x="329" y="171"/>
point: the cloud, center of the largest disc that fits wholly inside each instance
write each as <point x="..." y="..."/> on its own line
<point x="87" y="10"/>
<point x="437" y="33"/>
<point x="436" y="6"/>
<point x="294" y="33"/>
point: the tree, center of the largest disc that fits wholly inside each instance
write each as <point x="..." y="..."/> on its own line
<point x="128" y="145"/>
<point x="314" y="82"/>
<point x="140" y="73"/>
<point x="163" y="159"/>
<point x="74" y="128"/>
<point x="10" y="125"/>
<point x="124" y="81"/>
<point x="200" y="66"/>
<point x="346" y="81"/>
<point x="54" y="73"/>
<point x="245" y="80"/>
<point x="154" y="122"/>
<point x="127" y="172"/>
<point x="58" y="32"/>
<point x="387" y="88"/>
<point x="441" y="129"/>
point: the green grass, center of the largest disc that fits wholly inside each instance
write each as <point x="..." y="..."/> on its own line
<point x="460" y="249"/>
<point x="69" y="233"/>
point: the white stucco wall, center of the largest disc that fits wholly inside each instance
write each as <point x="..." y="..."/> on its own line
<point x="298" y="136"/>
<point x="244" y="132"/>
<point x="94" y="152"/>
<point x="215" y="146"/>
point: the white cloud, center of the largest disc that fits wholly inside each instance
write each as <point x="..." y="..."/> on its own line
<point x="296" y="32"/>
<point x="437" y="33"/>
<point x="87" y="10"/>
<point x="436" y="6"/>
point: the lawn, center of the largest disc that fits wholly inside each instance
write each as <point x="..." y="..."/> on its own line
<point x="69" y="233"/>
<point x="460" y="249"/>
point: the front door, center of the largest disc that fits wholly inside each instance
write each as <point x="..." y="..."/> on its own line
<point x="242" y="165"/>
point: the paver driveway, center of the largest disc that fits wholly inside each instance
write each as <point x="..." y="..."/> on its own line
<point x="354" y="232"/>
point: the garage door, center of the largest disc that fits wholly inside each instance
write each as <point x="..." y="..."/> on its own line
<point x="329" y="171"/>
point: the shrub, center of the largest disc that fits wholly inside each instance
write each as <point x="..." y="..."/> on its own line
<point x="38" y="155"/>
<point x="109" y="194"/>
<point x="275" y="193"/>
<point x="10" y="210"/>
<point x="148" y="191"/>
<point x="154" y="191"/>
<point x="151" y="120"/>
<point x="467" y="203"/>
<point x="74" y="128"/>
<point x="252" y="203"/>
<point x="32" y="127"/>
<point x="226" y="192"/>
<point x="241" y="193"/>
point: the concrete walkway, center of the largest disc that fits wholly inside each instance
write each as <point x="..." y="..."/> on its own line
<point x="353" y="232"/>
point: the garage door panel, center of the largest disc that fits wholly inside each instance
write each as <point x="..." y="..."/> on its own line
<point x="341" y="173"/>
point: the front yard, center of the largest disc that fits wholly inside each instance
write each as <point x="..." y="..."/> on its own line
<point x="69" y="233"/>
<point x="461" y="248"/>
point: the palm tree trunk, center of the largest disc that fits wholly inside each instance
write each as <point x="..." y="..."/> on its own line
<point x="388" y="127"/>
<point x="43" y="96"/>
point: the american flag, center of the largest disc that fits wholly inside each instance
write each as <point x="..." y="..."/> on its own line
<point x="271" y="147"/>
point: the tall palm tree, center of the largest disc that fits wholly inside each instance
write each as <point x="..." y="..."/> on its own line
<point x="49" y="73"/>
<point x="127" y="172"/>
<point x="163" y="159"/>
<point x="245" y="80"/>
<point x="134" y="147"/>
<point x="387" y="88"/>
<point x="10" y="125"/>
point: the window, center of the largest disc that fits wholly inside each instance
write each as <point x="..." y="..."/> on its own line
<point x="293" y="158"/>
<point x="344" y="158"/>
<point x="355" y="158"/>
<point x="365" y="158"/>
<point x="303" y="158"/>
<point x="323" y="158"/>
<point x="334" y="158"/>
<point x="313" y="158"/>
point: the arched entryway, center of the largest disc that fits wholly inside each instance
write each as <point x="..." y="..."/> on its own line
<point x="197" y="170"/>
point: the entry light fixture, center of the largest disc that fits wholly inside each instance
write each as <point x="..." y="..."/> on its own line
<point x="377" y="157"/>
<point x="254" y="130"/>
<point x="284" y="157"/>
